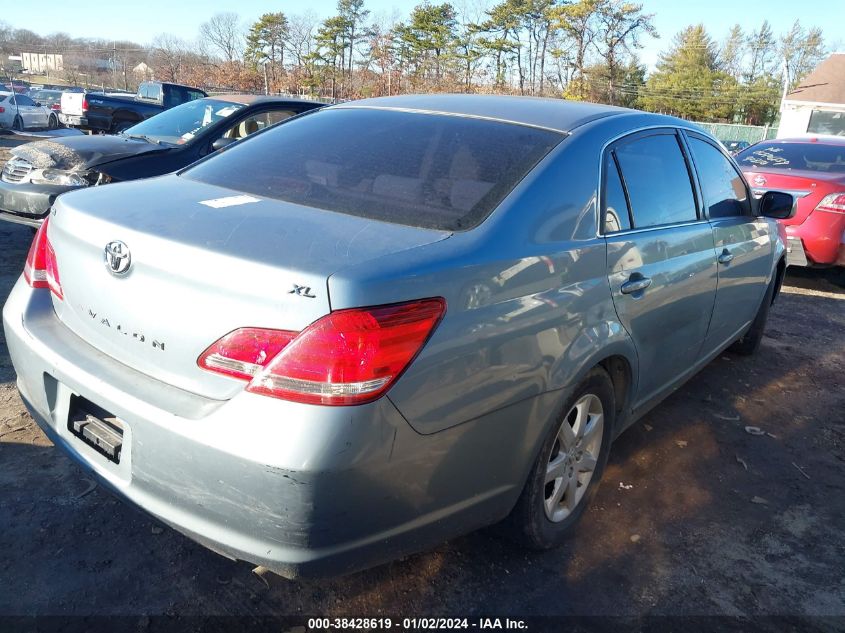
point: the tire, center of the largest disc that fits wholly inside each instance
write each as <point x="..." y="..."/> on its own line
<point x="52" y="122"/>
<point x="537" y="521"/>
<point x="748" y="343"/>
<point x="17" y="124"/>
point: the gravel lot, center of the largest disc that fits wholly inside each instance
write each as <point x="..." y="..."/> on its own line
<point x="695" y="515"/>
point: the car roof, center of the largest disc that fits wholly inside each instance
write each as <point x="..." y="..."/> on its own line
<point x="553" y="114"/>
<point x="253" y="99"/>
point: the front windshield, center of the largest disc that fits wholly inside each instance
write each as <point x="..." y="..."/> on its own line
<point x="180" y="124"/>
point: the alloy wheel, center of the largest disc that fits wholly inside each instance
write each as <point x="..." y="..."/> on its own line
<point x="574" y="458"/>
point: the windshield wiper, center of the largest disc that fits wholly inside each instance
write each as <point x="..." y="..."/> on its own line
<point x="144" y="137"/>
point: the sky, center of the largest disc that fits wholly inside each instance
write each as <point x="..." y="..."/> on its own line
<point x="122" y="20"/>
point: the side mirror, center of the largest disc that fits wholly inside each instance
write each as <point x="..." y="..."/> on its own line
<point x="38" y="103"/>
<point x="777" y="205"/>
<point x="221" y="143"/>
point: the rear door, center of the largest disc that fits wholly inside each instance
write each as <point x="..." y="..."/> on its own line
<point x="743" y="241"/>
<point x="661" y="261"/>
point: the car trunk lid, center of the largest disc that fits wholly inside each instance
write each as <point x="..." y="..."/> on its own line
<point x="203" y="261"/>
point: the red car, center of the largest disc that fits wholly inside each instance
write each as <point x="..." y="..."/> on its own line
<point x="813" y="171"/>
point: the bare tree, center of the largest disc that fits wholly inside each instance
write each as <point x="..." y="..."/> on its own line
<point x="301" y="32"/>
<point x="223" y="36"/>
<point x="167" y="55"/>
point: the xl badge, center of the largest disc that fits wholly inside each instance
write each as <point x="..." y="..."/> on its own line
<point x="117" y="257"/>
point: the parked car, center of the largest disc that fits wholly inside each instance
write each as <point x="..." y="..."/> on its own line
<point x="101" y="112"/>
<point x="38" y="172"/>
<point x="19" y="112"/>
<point x="389" y="322"/>
<point x="812" y="169"/>
<point x="734" y="147"/>
<point x="51" y="99"/>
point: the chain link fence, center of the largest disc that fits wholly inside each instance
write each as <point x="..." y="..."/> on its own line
<point x="735" y="132"/>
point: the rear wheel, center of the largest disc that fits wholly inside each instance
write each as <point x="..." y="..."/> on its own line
<point x="569" y="466"/>
<point x="748" y="343"/>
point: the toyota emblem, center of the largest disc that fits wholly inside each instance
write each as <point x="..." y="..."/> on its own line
<point x="117" y="257"/>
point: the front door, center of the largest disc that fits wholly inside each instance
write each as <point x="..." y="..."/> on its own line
<point x="661" y="261"/>
<point x="743" y="242"/>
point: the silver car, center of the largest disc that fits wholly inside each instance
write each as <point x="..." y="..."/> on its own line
<point x="389" y="322"/>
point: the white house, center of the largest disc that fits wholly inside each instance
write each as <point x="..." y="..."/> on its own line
<point x="817" y="105"/>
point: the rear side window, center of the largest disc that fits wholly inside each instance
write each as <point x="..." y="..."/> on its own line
<point x="614" y="204"/>
<point x="657" y="181"/>
<point x="723" y="188"/>
<point x="428" y="170"/>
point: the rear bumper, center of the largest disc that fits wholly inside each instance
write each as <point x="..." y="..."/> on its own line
<point x="73" y="121"/>
<point x="31" y="203"/>
<point x="821" y="238"/>
<point x="303" y="490"/>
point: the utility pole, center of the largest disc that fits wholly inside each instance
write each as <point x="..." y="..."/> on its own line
<point x="785" y="82"/>
<point x="266" y="85"/>
<point x="114" y="64"/>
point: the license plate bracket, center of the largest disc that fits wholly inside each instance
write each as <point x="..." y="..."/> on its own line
<point x="96" y="427"/>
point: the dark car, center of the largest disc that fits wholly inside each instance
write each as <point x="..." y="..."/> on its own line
<point x="116" y="111"/>
<point x="40" y="171"/>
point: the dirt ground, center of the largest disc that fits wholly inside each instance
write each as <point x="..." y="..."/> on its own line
<point x="694" y="516"/>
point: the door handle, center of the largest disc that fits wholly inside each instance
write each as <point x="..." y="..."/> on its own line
<point x="725" y="257"/>
<point x="635" y="285"/>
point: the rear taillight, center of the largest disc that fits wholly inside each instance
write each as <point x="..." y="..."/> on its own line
<point x="347" y="357"/>
<point x="56" y="107"/>
<point x="41" y="269"/>
<point x="84" y="103"/>
<point x="2" y="109"/>
<point x="832" y="203"/>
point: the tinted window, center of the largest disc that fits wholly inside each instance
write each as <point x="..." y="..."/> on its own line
<point x="23" y="100"/>
<point x="615" y="207"/>
<point x="657" y="180"/>
<point x="2" y="98"/>
<point x="437" y="171"/>
<point x="256" y="123"/>
<point x="809" y="156"/>
<point x="722" y="186"/>
<point x="827" y="122"/>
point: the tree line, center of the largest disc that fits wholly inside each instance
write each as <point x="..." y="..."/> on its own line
<point x="576" y="49"/>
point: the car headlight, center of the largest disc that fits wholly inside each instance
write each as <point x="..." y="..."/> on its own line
<point x="60" y="177"/>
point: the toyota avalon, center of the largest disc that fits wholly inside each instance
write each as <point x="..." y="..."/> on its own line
<point x="389" y="322"/>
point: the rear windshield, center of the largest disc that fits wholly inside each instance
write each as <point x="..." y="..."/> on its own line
<point x="429" y="170"/>
<point x="805" y="156"/>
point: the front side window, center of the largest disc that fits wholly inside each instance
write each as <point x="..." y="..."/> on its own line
<point x="724" y="190"/>
<point x="418" y="169"/>
<point x="256" y="123"/>
<point x="657" y="180"/>
<point x="23" y="100"/>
